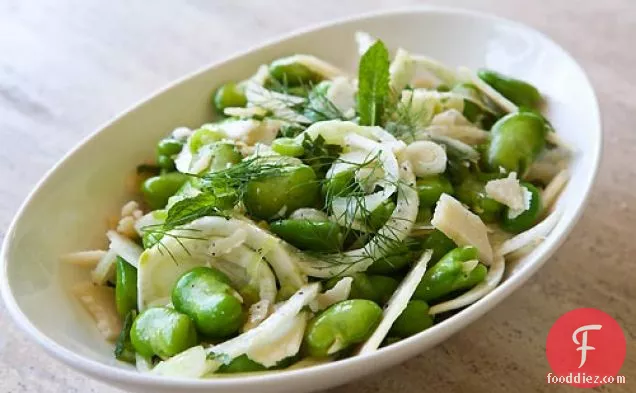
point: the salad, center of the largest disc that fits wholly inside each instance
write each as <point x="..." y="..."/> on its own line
<point x="324" y="215"/>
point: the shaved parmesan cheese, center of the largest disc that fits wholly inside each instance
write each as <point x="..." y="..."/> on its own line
<point x="124" y="247"/>
<point x="401" y="70"/>
<point x="83" y="258"/>
<point x="507" y="191"/>
<point x="554" y="189"/>
<point x="338" y="293"/>
<point x="99" y="301"/>
<point x="316" y="65"/>
<point x="397" y="303"/>
<point x="468" y="134"/>
<point x="426" y="157"/>
<point x="455" y="147"/>
<point x="494" y="276"/>
<point x="191" y="363"/>
<point x="532" y="235"/>
<point x="451" y="117"/>
<point x="280" y="321"/>
<point x="364" y="41"/>
<point x="463" y="226"/>
<point x="469" y="76"/>
<point x="252" y="111"/>
<point x="105" y="269"/>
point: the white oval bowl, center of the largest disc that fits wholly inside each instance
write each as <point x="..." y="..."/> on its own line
<point x="68" y="209"/>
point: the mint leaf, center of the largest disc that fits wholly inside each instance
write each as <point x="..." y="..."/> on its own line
<point x="187" y="210"/>
<point x="373" y="84"/>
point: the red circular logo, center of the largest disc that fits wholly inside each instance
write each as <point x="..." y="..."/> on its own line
<point x="585" y="348"/>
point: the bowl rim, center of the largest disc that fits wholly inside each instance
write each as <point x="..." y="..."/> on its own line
<point x="458" y="321"/>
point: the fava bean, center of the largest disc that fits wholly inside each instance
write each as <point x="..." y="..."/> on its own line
<point x="277" y="196"/>
<point x="430" y="188"/>
<point x="292" y="74"/>
<point x="169" y="147"/>
<point x="520" y="92"/>
<point x="125" y="287"/>
<point x="224" y="154"/>
<point x="517" y="139"/>
<point x="380" y="215"/>
<point x="309" y="235"/>
<point x="341" y="326"/>
<point x="526" y="219"/>
<point x="440" y="244"/>
<point x="166" y="163"/>
<point x="229" y="95"/>
<point x="472" y="193"/>
<point x="340" y="184"/>
<point x="204" y="294"/>
<point x="449" y="275"/>
<point x="288" y="147"/>
<point x="163" y="332"/>
<point x="414" y="319"/>
<point x="383" y="288"/>
<point x="202" y="137"/>
<point x="158" y="189"/>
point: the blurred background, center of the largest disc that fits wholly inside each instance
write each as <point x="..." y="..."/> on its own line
<point x="68" y="66"/>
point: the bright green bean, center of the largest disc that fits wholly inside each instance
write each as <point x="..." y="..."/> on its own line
<point x="158" y="189"/>
<point x="204" y="294"/>
<point x="280" y="195"/>
<point x="229" y="95"/>
<point x="520" y="92"/>
<point x="517" y="139"/>
<point x="472" y="193"/>
<point x="163" y="332"/>
<point x="528" y="218"/>
<point x="430" y="188"/>
<point x="414" y="319"/>
<point x="449" y="275"/>
<point x="309" y="235"/>
<point x="341" y="326"/>
<point x="288" y="147"/>
<point x="125" y="287"/>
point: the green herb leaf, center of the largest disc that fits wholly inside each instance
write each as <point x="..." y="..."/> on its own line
<point x="373" y="84"/>
<point x="187" y="210"/>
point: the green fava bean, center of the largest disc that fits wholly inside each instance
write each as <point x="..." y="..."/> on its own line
<point x="241" y="364"/>
<point x="414" y="319"/>
<point x="383" y="288"/>
<point x="277" y="196"/>
<point x="520" y="92"/>
<point x="158" y="189"/>
<point x="125" y="287"/>
<point x="472" y="193"/>
<point x="440" y="244"/>
<point x="361" y="287"/>
<point x="517" y="139"/>
<point x="526" y="219"/>
<point x="229" y="96"/>
<point x="447" y="275"/>
<point x="309" y="235"/>
<point x="288" y="147"/>
<point x="341" y="326"/>
<point x="292" y="74"/>
<point x="163" y="332"/>
<point x="430" y="188"/>
<point x="169" y="147"/>
<point x="166" y="163"/>
<point x="204" y="295"/>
